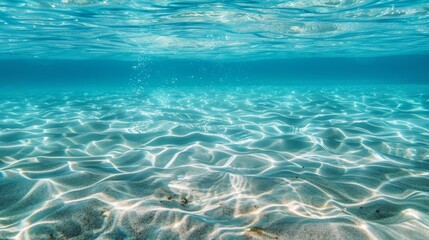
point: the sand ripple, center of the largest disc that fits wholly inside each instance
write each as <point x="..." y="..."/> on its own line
<point x="232" y="163"/>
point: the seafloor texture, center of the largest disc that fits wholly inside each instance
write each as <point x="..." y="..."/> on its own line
<point x="231" y="163"/>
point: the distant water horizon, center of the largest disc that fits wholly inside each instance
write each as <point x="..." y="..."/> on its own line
<point x="161" y="72"/>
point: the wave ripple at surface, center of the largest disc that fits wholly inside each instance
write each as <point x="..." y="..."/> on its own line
<point x="206" y="29"/>
<point x="224" y="163"/>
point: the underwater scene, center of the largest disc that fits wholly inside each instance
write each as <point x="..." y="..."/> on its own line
<point x="240" y="119"/>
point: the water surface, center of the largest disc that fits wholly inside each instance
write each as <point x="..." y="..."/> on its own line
<point x="118" y="29"/>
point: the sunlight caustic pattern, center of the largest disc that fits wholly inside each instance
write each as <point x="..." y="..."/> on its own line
<point x="223" y="163"/>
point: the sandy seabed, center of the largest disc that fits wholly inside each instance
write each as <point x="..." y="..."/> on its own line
<point x="220" y="163"/>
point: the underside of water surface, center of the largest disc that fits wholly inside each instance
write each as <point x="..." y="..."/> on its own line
<point x="214" y="120"/>
<point x="252" y="29"/>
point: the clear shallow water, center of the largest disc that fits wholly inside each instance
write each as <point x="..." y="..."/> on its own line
<point x="118" y="29"/>
<point x="216" y="163"/>
<point x="171" y="119"/>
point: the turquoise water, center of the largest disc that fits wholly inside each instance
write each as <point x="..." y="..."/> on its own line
<point x="119" y="29"/>
<point x="214" y="119"/>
